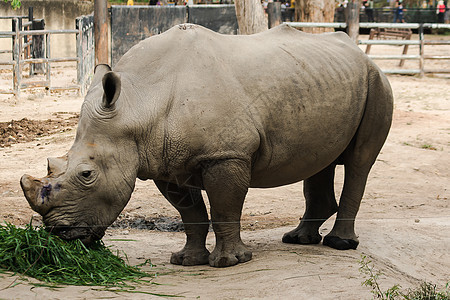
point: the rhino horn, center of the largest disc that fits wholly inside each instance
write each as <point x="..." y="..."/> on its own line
<point x="36" y="192"/>
<point x="56" y="165"/>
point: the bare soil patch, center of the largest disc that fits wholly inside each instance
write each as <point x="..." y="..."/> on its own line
<point x="25" y="130"/>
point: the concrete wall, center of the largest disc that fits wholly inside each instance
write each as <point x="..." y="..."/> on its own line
<point x="58" y="14"/>
<point x="151" y="20"/>
<point x="147" y="21"/>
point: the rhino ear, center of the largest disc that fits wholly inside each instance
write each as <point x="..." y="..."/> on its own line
<point x="99" y="71"/>
<point x="111" y="87"/>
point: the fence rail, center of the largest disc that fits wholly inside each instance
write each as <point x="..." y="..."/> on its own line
<point x="421" y="42"/>
<point x="25" y="38"/>
<point x="316" y="25"/>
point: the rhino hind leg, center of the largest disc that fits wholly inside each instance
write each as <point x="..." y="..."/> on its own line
<point x="320" y="205"/>
<point x="226" y="183"/>
<point x="342" y="236"/>
<point x="358" y="159"/>
<point x="189" y="203"/>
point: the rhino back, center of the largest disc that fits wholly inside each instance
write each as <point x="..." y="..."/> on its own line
<point x="289" y="101"/>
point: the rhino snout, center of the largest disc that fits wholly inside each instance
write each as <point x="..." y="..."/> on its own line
<point x="85" y="233"/>
<point x="37" y="193"/>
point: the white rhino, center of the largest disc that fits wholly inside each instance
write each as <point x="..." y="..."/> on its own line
<point x="192" y="109"/>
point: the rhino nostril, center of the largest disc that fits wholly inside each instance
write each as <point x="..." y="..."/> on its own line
<point x="45" y="192"/>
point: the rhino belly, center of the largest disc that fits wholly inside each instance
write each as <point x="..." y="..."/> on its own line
<point x="292" y="153"/>
<point x="298" y="168"/>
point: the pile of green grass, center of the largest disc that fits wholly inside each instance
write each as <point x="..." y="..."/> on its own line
<point x="46" y="257"/>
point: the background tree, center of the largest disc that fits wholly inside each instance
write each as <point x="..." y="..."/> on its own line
<point x="250" y="16"/>
<point x="315" y="11"/>
<point x="15" y="3"/>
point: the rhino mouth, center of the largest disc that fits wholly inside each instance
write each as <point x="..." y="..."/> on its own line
<point x="84" y="233"/>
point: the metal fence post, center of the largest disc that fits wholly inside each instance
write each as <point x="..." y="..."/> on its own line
<point x="47" y="55"/>
<point x="421" y="50"/>
<point x="80" y="63"/>
<point x="38" y="47"/>
<point x="27" y="50"/>
<point x="353" y="8"/>
<point x="101" y="31"/>
<point x="30" y="13"/>
<point x="16" y="56"/>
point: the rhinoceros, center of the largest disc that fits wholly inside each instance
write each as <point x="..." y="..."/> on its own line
<point x="195" y="110"/>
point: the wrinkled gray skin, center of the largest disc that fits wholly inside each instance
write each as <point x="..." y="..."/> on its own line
<point x="193" y="109"/>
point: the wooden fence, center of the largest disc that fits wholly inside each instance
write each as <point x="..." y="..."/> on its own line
<point x="421" y="42"/>
<point x="84" y="58"/>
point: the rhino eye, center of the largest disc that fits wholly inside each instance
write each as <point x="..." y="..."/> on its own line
<point x="86" y="174"/>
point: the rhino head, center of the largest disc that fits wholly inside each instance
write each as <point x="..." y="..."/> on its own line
<point x="85" y="190"/>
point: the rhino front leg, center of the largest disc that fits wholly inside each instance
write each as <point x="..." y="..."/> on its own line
<point x="320" y="205"/>
<point x="189" y="203"/>
<point x="227" y="183"/>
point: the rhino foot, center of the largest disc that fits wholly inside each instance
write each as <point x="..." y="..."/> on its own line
<point x="297" y="237"/>
<point x="221" y="259"/>
<point x="190" y="258"/>
<point x="340" y="244"/>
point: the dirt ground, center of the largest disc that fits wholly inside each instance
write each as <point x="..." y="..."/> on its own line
<point x="403" y="224"/>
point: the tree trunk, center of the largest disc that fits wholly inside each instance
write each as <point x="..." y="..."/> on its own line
<point x="250" y="16"/>
<point x="315" y="11"/>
